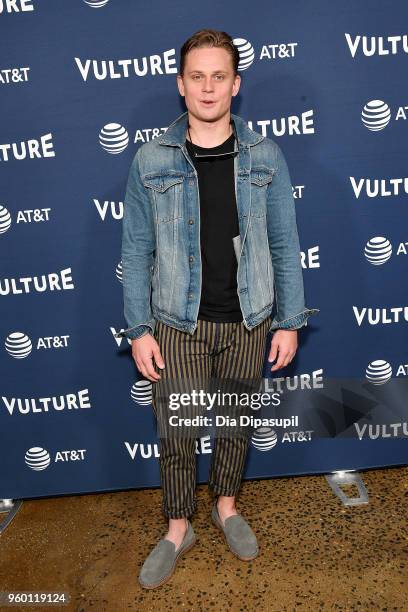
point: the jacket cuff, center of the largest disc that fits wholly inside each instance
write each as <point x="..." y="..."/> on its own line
<point x="137" y="331"/>
<point x="295" y="322"/>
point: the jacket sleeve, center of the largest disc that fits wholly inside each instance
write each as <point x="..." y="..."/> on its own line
<point x="138" y="246"/>
<point x="291" y="312"/>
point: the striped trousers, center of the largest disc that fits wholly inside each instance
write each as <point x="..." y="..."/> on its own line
<point x="215" y="350"/>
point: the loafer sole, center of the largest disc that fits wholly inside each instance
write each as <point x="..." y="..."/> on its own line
<point x="173" y="567"/>
<point x="218" y="524"/>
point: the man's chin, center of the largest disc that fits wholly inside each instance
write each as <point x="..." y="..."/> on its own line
<point x="210" y="116"/>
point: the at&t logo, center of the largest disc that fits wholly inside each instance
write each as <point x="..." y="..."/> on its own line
<point x="376" y="115"/>
<point x="265" y="438"/>
<point x="39" y="459"/>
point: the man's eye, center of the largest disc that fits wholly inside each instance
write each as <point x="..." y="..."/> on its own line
<point x="219" y="76"/>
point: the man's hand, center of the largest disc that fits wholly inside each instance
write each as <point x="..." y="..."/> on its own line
<point x="143" y="350"/>
<point x="284" y="341"/>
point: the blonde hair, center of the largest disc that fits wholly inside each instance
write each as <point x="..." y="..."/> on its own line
<point x="209" y="38"/>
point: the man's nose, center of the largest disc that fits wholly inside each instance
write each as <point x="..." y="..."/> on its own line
<point x="207" y="84"/>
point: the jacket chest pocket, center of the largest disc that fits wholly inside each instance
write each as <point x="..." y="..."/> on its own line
<point x="167" y="194"/>
<point x="260" y="178"/>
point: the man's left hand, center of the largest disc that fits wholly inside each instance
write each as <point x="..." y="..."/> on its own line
<point x="284" y="342"/>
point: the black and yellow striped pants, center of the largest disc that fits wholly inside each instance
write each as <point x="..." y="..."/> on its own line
<point x="221" y="350"/>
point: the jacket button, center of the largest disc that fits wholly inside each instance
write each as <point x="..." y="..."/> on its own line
<point x="190" y="295"/>
<point x="191" y="258"/>
<point x="191" y="221"/>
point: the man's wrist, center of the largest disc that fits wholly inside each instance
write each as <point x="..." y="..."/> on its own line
<point x="147" y="332"/>
<point x="133" y="333"/>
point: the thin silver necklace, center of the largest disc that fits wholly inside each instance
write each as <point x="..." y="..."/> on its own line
<point x="198" y="155"/>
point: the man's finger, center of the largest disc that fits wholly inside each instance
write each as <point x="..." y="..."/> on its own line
<point x="158" y="357"/>
<point x="273" y="352"/>
<point x="281" y="362"/>
<point x="144" y="373"/>
<point x="284" y="360"/>
<point x="276" y="366"/>
<point x="148" y="364"/>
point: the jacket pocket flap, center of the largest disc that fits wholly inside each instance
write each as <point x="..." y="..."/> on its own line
<point x="261" y="176"/>
<point x="162" y="182"/>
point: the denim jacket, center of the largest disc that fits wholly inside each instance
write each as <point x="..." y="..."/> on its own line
<point x="161" y="255"/>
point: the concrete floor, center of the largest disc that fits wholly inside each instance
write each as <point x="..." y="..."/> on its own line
<point x="315" y="553"/>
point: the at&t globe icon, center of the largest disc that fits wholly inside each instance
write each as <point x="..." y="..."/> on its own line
<point x="37" y="458"/>
<point x="378" y="250"/>
<point x="264" y="438"/>
<point x="113" y="138"/>
<point x="18" y="345"/>
<point x="379" y="372"/>
<point x="141" y="392"/>
<point x="246" y="53"/>
<point x="376" y="115"/>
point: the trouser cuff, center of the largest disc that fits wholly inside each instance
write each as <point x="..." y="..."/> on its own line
<point x="217" y="490"/>
<point x="182" y="513"/>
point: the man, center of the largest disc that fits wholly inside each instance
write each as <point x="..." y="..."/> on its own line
<point x="209" y="242"/>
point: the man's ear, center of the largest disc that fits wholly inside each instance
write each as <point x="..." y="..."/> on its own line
<point x="237" y="84"/>
<point x="180" y="85"/>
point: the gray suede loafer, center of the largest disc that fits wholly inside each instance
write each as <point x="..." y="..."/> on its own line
<point x="238" y="534"/>
<point x="162" y="560"/>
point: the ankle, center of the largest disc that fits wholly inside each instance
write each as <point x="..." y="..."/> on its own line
<point x="178" y="525"/>
<point x="226" y="503"/>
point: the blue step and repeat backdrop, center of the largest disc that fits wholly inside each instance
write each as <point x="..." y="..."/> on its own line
<point x="83" y="85"/>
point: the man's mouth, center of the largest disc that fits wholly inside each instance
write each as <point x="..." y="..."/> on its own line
<point x="207" y="102"/>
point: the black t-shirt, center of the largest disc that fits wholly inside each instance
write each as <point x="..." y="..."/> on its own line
<point x="218" y="226"/>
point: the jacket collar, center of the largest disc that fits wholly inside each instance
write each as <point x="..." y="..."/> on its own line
<point x="176" y="132"/>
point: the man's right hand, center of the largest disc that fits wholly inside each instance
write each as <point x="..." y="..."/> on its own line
<point x="143" y="350"/>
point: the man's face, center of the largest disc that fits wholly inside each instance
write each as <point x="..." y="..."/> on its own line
<point x="208" y="83"/>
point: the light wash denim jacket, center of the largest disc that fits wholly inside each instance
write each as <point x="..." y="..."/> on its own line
<point x="161" y="255"/>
